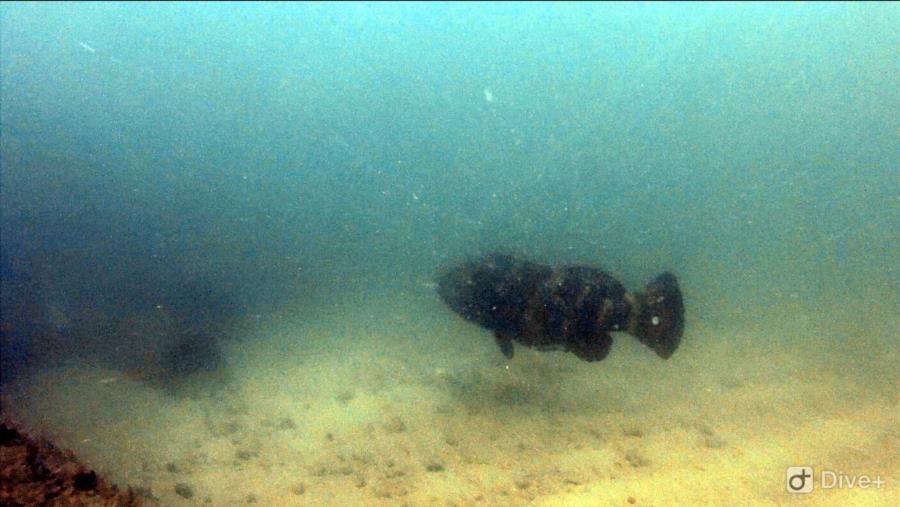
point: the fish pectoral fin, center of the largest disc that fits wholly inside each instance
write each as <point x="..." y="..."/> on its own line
<point x="591" y="349"/>
<point x="505" y="343"/>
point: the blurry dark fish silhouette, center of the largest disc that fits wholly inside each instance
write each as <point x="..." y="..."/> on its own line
<point x="573" y="308"/>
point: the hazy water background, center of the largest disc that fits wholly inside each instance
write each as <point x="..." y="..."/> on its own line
<point x="264" y="193"/>
<point x="230" y="159"/>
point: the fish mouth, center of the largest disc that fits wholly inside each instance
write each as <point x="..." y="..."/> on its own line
<point x="448" y="288"/>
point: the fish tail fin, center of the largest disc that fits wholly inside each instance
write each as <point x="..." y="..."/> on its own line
<point x="658" y="321"/>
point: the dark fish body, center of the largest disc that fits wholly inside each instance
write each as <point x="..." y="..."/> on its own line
<point x="573" y="308"/>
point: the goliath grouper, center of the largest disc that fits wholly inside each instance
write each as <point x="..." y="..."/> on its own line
<point x="572" y="308"/>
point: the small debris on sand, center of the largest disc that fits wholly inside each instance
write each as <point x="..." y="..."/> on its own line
<point x="434" y="465"/>
<point x="705" y="429"/>
<point x="636" y="459"/>
<point x="286" y="423"/>
<point x="395" y="425"/>
<point x="245" y="455"/>
<point x="714" y="442"/>
<point x="633" y="431"/>
<point x="184" y="490"/>
<point x="345" y="396"/>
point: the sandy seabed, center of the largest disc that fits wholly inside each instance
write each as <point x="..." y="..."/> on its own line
<point x="390" y="399"/>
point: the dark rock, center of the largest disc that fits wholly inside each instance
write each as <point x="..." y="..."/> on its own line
<point x="9" y="436"/>
<point x="85" y="481"/>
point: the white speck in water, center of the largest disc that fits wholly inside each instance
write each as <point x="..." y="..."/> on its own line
<point x="488" y="95"/>
<point x="655" y="320"/>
